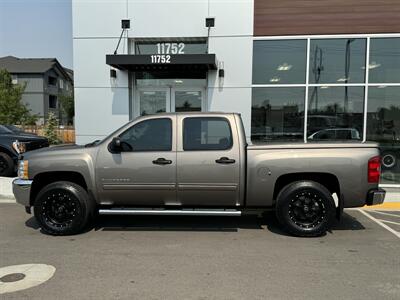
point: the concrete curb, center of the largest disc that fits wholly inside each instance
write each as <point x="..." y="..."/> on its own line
<point x="6" y="188"/>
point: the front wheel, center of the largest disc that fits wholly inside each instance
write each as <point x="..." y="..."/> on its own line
<point x="63" y="208"/>
<point x="305" y="208"/>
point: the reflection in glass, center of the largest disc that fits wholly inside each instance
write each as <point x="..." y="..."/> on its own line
<point x="384" y="62"/>
<point x="152" y="102"/>
<point x="187" y="101"/>
<point x="149" y="135"/>
<point x="337" y="61"/>
<point x="383" y="126"/>
<point x="277" y="114"/>
<point x="335" y="113"/>
<point x="277" y="62"/>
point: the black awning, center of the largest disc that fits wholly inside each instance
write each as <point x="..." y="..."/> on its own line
<point x="162" y="62"/>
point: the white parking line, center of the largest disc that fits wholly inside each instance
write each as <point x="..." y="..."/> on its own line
<point x="380" y="223"/>
<point x="390" y="222"/>
<point x="384" y="213"/>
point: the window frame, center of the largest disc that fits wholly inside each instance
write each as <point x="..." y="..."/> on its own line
<point x="147" y="120"/>
<point x="307" y="84"/>
<point x="207" y="117"/>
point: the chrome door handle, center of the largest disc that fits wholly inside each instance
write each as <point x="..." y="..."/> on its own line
<point x="225" y="160"/>
<point x="162" y="161"/>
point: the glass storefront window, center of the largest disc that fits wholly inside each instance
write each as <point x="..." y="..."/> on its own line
<point x="279" y="62"/>
<point x="187" y="101"/>
<point x="337" y="61"/>
<point x="383" y="126"/>
<point x="335" y="113"/>
<point x="277" y="114"/>
<point x="384" y="60"/>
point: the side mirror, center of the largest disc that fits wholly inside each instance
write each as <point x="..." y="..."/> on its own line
<point x="115" y="145"/>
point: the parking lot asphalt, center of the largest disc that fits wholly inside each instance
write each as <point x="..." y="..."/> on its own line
<point x="206" y="258"/>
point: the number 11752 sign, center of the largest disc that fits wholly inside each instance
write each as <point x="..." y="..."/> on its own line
<point x="164" y="50"/>
<point x="170" y="48"/>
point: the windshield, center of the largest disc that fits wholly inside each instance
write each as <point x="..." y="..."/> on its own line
<point x="14" y="128"/>
<point x="4" y="130"/>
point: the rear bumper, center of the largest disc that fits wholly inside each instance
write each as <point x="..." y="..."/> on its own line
<point x="22" y="191"/>
<point x="375" y="197"/>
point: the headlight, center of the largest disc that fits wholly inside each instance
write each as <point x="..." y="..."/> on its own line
<point x="23" y="169"/>
<point x="19" y="147"/>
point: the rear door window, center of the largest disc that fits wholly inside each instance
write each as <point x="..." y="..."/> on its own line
<point x="208" y="133"/>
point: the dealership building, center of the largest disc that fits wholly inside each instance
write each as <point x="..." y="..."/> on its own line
<point x="304" y="70"/>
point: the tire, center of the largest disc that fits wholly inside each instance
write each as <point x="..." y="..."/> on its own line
<point x="63" y="208"/>
<point x="389" y="160"/>
<point x="305" y="208"/>
<point x="6" y="165"/>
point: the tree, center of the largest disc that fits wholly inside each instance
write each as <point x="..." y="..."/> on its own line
<point x="67" y="106"/>
<point x="50" y="128"/>
<point x="12" y="110"/>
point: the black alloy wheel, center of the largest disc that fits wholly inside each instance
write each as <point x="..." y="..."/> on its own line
<point x="60" y="208"/>
<point x="63" y="208"/>
<point x="305" y="208"/>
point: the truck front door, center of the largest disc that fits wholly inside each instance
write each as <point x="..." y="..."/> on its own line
<point x="208" y="166"/>
<point x="144" y="172"/>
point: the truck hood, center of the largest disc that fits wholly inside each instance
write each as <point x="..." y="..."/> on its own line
<point x="54" y="150"/>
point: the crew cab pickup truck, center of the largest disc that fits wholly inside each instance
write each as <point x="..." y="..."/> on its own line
<point x="196" y="164"/>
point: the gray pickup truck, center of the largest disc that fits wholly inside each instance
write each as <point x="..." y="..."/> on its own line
<point x="196" y="164"/>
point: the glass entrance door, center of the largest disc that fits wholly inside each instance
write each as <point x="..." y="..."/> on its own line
<point x="169" y="99"/>
<point x="152" y="101"/>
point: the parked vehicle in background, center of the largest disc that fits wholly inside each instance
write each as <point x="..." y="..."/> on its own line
<point x="196" y="164"/>
<point x="18" y="130"/>
<point x="340" y="134"/>
<point x="9" y="150"/>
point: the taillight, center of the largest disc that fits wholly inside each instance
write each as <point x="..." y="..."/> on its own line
<point x="374" y="169"/>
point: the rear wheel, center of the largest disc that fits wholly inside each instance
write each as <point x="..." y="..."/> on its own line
<point x="305" y="208"/>
<point x="63" y="208"/>
<point x="6" y="165"/>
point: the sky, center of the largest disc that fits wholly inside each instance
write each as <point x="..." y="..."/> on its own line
<point x="37" y="28"/>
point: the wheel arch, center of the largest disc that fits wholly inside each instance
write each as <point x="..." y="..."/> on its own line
<point x="8" y="152"/>
<point x="42" y="179"/>
<point x="328" y="180"/>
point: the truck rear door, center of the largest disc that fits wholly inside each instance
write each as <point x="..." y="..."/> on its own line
<point x="208" y="161"/>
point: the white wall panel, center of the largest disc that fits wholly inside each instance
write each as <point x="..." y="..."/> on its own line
<point x="236" y="55"/>
<point x="97" y="18"/>
<point x="168" y="18"/>
<point x="232" y="17"/>
<point x="232" y="100"/>
<point x="99" y="111"/>
<point x="90" y="68"/>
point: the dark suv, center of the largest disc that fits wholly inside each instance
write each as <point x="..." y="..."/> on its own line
<point x="8" y="147"/>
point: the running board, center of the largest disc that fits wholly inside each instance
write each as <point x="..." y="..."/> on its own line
<point x="171" y="212"/>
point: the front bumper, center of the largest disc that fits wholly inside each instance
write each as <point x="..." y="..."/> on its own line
<point x="376" y="197"/>
<point x="22" y="191"/>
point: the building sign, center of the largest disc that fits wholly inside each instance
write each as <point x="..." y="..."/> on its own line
<point x="141" y="62"/>
<point x="198" y="46"/>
